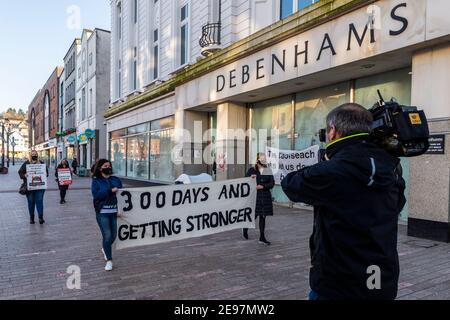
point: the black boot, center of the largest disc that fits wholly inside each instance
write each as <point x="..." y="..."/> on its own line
<point x="41" y="220"/>
<point x="264" y="241"/>
<point x="245" y="234"/>
<point x="32" y="220"/>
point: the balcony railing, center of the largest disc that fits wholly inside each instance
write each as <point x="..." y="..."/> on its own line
<point x="210" y="36"/>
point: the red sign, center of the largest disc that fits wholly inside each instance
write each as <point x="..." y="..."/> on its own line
<point x="64" y="177"/>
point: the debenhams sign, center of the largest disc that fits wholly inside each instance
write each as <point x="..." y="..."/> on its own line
<point x="385" y="26"/>
<point x="302" y="55"/>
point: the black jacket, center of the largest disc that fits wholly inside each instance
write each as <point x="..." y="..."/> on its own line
<point x="57" y="179"/>
<point x="358" y="196"/>
<point x="264" y="203"/>
<point x="23" y="170"/>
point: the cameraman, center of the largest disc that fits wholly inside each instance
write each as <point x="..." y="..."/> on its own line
<point x="358" y="194"/>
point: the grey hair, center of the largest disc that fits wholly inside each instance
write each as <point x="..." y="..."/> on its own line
<point x="349" y="119"/>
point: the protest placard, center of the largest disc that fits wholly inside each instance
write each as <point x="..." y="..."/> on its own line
<point x="168" y="213"/>
<point x="37" y="177"/>
<point x="64" y="177"/>
<point x="283" y="162"/>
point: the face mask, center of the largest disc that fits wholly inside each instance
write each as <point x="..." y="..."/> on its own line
<point x="34" y="158"/>
<point x="107" y="171"/>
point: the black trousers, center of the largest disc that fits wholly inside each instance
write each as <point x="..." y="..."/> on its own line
<point x="262" y="227"/>
<point x="62" y="193"/>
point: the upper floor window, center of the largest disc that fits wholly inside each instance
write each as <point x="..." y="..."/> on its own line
<point x="135" y="10"/>
<point x="155" y="54"/>
<point x="135" y="69"/>
<point x="288" y="7"/>
<point x="90" y="59"/>
<point x="184" y="34"/>
<point x="119" y="20"/>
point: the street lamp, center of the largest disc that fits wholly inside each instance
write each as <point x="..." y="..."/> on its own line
<point x="3" y="122"/>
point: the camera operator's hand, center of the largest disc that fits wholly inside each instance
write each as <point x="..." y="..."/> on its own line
<point x="326" y="157"/>
<point x="259" y="187"/>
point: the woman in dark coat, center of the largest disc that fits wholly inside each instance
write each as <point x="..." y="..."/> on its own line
<point x="264" y="203"/>
<point x="64" y="164"/>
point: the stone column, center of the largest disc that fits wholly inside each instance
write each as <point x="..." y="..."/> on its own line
<point x="231" y="141"/>
<point x="430" y="174"/>
<point x="190" y="127"/>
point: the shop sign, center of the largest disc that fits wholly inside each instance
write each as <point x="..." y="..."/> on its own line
<point x="381" y="27"/>
<point x="71" y="140"/>
<point x="82" y="139"/>
<point x="437" y="144"/>
<point x="90" y="134"/>
<point x="52" y="143"/>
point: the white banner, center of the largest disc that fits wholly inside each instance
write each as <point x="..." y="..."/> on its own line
<point x="154" y="215"/>
<point x="283" y="162"/>
<point x="37" y="177"/>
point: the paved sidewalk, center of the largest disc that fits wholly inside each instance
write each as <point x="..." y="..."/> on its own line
<point x="34" y="259"/>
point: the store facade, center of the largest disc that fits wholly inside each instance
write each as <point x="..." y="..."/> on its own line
<point x="291" y="74"/>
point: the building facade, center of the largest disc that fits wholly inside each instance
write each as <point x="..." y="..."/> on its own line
<point x="92" y="95"/>
<point x="43" y="114"/>
<point x="263" y="65"/>
<point x="69" y="134"/>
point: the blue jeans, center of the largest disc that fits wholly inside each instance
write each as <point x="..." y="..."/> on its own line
<point x="36" y="200"/>
<point x="314" y="296"/>
<point x="108" y="227"/>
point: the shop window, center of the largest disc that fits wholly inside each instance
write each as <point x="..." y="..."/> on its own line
<point x="311" y="110"/>
<point x="161" y="165"/>
<point x="395" y="84"/>
<point x="118" y="149"/>
<point x="268" y="115"/>
<point x="137" y="156"/>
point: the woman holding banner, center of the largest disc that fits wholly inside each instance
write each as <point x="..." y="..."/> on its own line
<point x="104" y="189"/>
<point x="35" y="198"/>
<point x="264" y="203"/>
<point x="62" y="184"/>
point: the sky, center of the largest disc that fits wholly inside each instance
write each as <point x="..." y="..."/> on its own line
<point x="34" y="38"/>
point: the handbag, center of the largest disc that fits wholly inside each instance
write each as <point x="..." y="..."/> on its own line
<point x="23" y="189"/>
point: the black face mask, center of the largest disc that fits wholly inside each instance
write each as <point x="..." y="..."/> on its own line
<point x="264" y="165"/>
<point x="34" y="158"/>
<point x="107" y="171"/>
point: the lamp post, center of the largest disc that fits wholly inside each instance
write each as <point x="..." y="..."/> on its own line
<point x="13" y="145"/>
<point x="3" y="122"/>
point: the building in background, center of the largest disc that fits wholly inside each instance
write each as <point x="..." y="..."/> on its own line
<point x="92" y="95"/>
<point x="61" y="154"/>
<point x="68" y="136"/>
<point x="279" y="64"/>
<point x="153" y="43"/>
<point x="43" y="115"/>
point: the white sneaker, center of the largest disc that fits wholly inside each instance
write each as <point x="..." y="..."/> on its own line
<point x="104" y="255"/>
<point x="109" y="266"/>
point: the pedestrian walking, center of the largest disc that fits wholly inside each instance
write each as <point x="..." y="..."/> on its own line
<point x="74" y="165"/>
<point x="64" y="164"/>
<point x="35" y="198"/>
<point x="264" y="203"/>
<point x="104" y="189"/>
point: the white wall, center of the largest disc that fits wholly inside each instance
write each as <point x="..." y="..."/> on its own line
<point x="236" y="25"/>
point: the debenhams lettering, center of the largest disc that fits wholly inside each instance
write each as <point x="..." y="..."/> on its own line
<point x="303" y="55"/>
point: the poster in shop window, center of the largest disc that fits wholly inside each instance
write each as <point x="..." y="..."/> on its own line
<point x="37" y="177"/>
